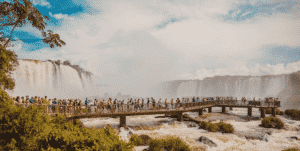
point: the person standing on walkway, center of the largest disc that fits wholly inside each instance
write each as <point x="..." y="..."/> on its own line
<point x="148" y="103"/>
<point x="154" y="104"/>
<point x="143" y="103"/>
<point x="138" y="104"/>
<point x="166" y="103"/>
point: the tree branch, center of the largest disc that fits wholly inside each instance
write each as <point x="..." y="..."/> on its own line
<point x="10" y="35"/>
<point x="8" y="24"/>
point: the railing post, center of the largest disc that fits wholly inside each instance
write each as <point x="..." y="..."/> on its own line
<point x="123" y="121"/>
<point x="249" y="111"/>
<point x="209" y="109"/>
<point x="200" y="112"/>
<point x="223" y="109"/>
<point x="262" y="112"/>
<point x="273" y="111"/>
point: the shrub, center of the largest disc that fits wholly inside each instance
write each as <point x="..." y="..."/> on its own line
<point x="272" y="122"/>
<point x="168" y="144"/>
<point x="292" y="149"/>
<point x="27" y="129"/>
<point x="225" y="128"/>
<point x="135" y="140"/>
<point x="277" y="111"/>
<point x="145" y="139"/>
<point x="203" y="125"/>
<point x="212" y="127"/>
<point x="294" y="114"/>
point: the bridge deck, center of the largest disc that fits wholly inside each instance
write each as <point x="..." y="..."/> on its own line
<point x="76" y="112"/>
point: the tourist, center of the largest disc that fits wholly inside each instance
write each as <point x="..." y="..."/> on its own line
<point x="128" y="103"/>
<point x="54" y="105"/>
<point x="142" y="103"/>
<point x="166" y="103"/>
<point x="159" y="103"/>
<point x="122" y="105"/>
<point x="154" y="103"/>
<point x="172" y="103"/>
<point x="138" y="104"/>
<point x="95" y="105"/>
<point x="148" y="103"/>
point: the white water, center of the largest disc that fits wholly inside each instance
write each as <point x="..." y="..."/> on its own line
<point x="285" y="87"/>
<point x="279" y="140"/>
<point x="44" y="78"/>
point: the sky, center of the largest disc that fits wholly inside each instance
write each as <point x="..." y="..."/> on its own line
<point x="137" y="43"/>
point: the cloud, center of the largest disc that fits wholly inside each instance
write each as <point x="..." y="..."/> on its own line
<point x="41" y="3"/>
<point x="121" y="44"/>
<point x="61" y="16"/>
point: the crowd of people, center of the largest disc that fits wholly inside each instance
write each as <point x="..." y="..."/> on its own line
<point x="121" y="105"/>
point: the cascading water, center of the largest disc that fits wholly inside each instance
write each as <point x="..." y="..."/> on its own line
<point x="285" y="87"/>
<point x="45" y="78"/>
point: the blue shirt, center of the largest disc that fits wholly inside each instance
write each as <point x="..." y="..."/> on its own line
<point x="54" y="102"/>
<point x="86" y="101"/>
<point x="197" y="100"/>
<point x="31" y="101"/>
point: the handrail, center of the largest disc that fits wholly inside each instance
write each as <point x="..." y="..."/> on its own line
<point x="127" y="108"/>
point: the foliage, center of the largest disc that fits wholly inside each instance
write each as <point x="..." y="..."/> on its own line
<point x="18" y="13"/>
<point x="292" y="149"/>
<point x="145" y="139"/>
<point x="8" y="63"/>
<point x="277" y="111"/>
<point x="27" y="129"/>
<point x="225" y="128"/>
<point x="139" y="140"/>
<point x="203" y="124"/>
<point x="168" y="144"/>
<point x="272" y="122"/>
<point x="136" y="140"/>
<point x="212" y="127"/>
<point x="294" y="114"/>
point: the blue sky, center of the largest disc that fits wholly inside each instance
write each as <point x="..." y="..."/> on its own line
<point x="145" y="42"/>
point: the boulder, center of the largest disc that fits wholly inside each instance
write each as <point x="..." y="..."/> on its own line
<point x="201" y="148"/>
<point x="263" y="136"/>
<point x="294" y="137"/>
<point x="207" y="141"/>
<point x="269" y="131"/>
<point x="192" y="124"/>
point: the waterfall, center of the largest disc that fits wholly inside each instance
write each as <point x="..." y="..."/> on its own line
<point x="285" y="87"/>
<point x="45" y="78"/>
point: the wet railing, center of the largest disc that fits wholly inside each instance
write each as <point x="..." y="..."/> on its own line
<point x="129" y="108"/>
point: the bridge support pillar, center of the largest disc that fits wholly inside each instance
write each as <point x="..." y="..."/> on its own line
<point x="273" y="111"/>
<point x="209" y="109"/>
<point x="230" y="108"/>
<point x="250" y="111"/>
<point x="123" y="121"/>
<point x="262" y="112"/>
<point x="200" y="112"/>
<point x="223" y="109"/>
<point x="179" y="116"/>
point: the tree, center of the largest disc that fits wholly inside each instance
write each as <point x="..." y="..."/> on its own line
<point x="17" y="13"/>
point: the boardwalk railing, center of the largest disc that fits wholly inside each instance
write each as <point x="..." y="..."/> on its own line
<point x="70" y="110"/>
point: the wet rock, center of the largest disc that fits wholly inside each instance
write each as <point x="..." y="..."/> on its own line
<point x="201" y="148"/>
<point x="294" y="137"/>
<point x="192" y="125"/>
<point x="207" y="141"/>
<point x="269" y="131"/>
<point x="253" y="135"/>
